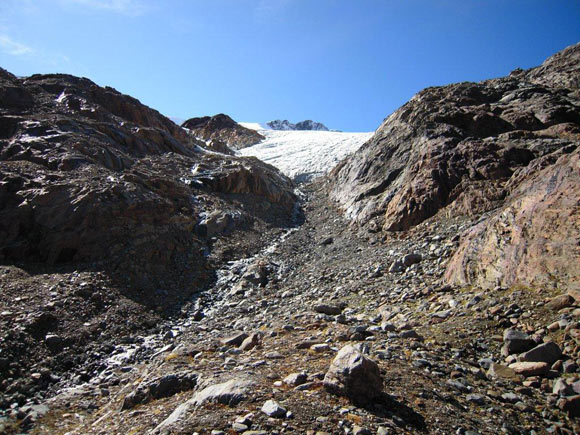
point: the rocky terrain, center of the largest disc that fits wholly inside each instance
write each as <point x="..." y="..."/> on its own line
<point x="506" y="149"/>
<point x="109" y="213"/>
<point x="308" y="124"/>
<point x="428" y="285"/>
<point x="221" y="133"/>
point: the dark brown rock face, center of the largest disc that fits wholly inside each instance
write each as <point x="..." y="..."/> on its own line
<point x="221" y="129"/>
<point x="507" y="145"/>
<point x="91" y="175"/>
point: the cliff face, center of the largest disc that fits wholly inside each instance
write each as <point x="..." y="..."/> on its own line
<point x="220" y="130"/>
<point x="91" y="175"/>
<point x="506" y="146"/>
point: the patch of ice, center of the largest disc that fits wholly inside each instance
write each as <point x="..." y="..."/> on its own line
<point x="304" y="155"/>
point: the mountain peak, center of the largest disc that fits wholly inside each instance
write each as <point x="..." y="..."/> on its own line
<point x="302" y="125"/>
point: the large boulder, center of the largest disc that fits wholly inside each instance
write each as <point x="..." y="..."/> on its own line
<point x="353" y="375"/>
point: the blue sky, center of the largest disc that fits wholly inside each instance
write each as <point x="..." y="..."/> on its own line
<point x="348" y="64"/>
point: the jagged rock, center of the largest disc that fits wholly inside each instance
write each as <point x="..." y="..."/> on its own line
<point x="561" y="388"/>
<point x="228" y="393"/>
<point x="302" y="125"/>
<point x="251" y="341"/>
<point x="353" y="375"/>
<point x="234" y="339"/>
<point x="547" y="352"/>
<point x="221" y="129"/>
<point x="273" y="409"/>
<point x="571" y="405"/>
<point x="296" y="379"/>
<point x="164" y="386"/>
<point x="516" y="342"/>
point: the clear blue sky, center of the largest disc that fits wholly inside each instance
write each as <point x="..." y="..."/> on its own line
<point x="346" y="63"/>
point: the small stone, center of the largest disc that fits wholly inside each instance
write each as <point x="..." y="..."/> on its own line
<point x="560" y="302"/>
<point x="458" y="386"/>
<point x="272" y="409"/>
<point x="235" y="339"/>
<point x="530" y="368"/>
<point x="571" y="405"/>
<point x="569" y="366"/>
<point x="323" y="347"/>
<point x="358" y="430"/>
<point x="250" y="342"/>
<point x="331" y="310"/>
<point x="53" y="342"/>
<point x="410" y="259"/>
<point x="510" y="397"/>
<point x="239" y="427"/>
<point x="410" y="333"/>
<point x="501" y="371"/>
<point x="561" y="388"/>
<point x="274" y="355"/>
<point x="475" y="398"/>
<point x="295" y="379"/>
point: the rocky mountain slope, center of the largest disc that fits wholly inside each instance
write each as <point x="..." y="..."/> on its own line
<point x="507" y="147"/>
<point x="221" y="132"/>
<point x="111" y="217"/>
<point x="376" y="321"/>
<point x="308" y="124"/>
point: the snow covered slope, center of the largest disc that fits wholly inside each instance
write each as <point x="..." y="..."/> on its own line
<point x="303" y="155"/>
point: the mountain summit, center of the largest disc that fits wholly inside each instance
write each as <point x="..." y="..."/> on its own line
<point x="302" y="125"/>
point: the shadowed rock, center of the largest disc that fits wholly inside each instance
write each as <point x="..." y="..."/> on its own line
<point x="353" y="375"/>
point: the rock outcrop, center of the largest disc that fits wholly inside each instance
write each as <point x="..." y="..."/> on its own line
<point x="220" y="130"/>
<point x="506" y="146"/>
<point x="89" y="174"/>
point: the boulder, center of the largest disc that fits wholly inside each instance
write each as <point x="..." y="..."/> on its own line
<point x="273" y="409"/>
<point x="530" y="368"/>
<point x="355" y="376"/>
<point x="331" y="310"/>
<point x="164" y="386"/>
<point x="229" y="393"/>
<point x="548" y="352"/>
<point x="235" y="339"/>
<point x="516" y="342"/>
<point x="560" y="302"/>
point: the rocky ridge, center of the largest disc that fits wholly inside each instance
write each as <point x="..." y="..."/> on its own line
<point x="221" y="133"/>
<point x="506" y="149"/>
<point x="302" y="125"/>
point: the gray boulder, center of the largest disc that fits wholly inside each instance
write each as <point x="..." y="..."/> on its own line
<point x="353" y="375"/>
<point x="515" y="341"/>
<point x="547" y="352"/>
